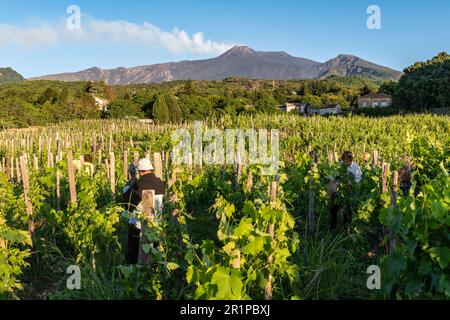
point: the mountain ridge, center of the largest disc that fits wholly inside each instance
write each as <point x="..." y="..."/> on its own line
<point x="9" y="75"/>
<point x="239" y="61"/>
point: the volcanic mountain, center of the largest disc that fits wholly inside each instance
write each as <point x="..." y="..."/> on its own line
<point x="239" y="61"/>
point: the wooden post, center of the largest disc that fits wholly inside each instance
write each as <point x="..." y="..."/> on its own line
<point x="394" y="188"/>
<point x="166" y="164"/>
<point x="271" y="231"/>
<point x="58" y="185"/>
<point x="71" y="176"/>
<point x="26" y="196"/>
<point x="311" y="206"/>
<point x="330" y="158"/>
<point x="99" y="156"/>
<point x="375" y="158"/>
<point x="18" y="173"/>
<point x="385" y="184"/>
<point x="35" y="162"/>
<point x="158" y="165"/>
<point x="148" y="205"/>
<point x="237" y="178"/>
<point x="81" y="161"/>
<point x="392" y="236"/>
<point x="12" y="169"/>
<point x="125" y="164"/>
<point x="384" y="190"/>
<point x="108" y="170"/>
<point x="249" y="180"/>
<point x="112" y="175"/>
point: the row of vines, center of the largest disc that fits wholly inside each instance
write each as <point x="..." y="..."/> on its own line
<point x="229" y="232"/>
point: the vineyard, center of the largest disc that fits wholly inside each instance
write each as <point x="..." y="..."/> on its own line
<point x="227" y="231"/>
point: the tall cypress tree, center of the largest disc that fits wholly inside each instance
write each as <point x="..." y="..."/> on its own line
<point x="160" y="110"/>
<point x="174" y="108"/>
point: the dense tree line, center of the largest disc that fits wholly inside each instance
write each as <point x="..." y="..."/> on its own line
<point x="40" y="102"/>
<point x="425" y="85"/>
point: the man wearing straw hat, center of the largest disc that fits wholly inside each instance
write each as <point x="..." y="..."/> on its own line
<point x="133" y="196"/>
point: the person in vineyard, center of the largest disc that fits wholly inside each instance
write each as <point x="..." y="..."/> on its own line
<point x="341" y="189"/>
<point x="133" y="197"/>
<point x="86" y="164"/>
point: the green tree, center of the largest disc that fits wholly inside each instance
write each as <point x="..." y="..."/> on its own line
<point x="425" y="85"/>
<point x="266" y="103"/>
<point x="49" y="95"/>
<point x="100" y="89"/>
<point x="161" y="110"/>
<point x="64" y="96"/>
<point x="121" y="108"/>
<point x="189" y="88"/>
<point x="312" y="100"/>
<point x="195" y="107"/>
<point x="175" y="113"/>
<point x="388" y="87"/>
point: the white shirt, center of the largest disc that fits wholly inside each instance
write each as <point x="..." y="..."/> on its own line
<point x="356" y="171"/>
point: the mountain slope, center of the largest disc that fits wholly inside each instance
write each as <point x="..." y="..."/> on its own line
<point x="8" y="75"/>
<point x="237" y="62"/>
<point x="348" y="65"/>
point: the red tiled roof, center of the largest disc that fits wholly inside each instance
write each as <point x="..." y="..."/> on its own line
<point x="375" y="96"/>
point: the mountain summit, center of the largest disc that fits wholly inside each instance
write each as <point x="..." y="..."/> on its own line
<point x="239" y="61"/>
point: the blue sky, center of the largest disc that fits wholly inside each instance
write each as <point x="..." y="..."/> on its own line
<point x="31" y="40"/>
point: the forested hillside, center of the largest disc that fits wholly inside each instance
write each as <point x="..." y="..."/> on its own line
<point x="41" y="102"/>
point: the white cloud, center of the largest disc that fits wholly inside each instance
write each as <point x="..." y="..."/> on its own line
<point x="92" y="30"/>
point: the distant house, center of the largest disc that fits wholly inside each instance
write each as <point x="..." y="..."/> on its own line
<point x="102" y="104"/>
<point x="293" y="107"/>
<point x="146" y="121"/>
<point x="374" y="100"/>
<point x="326" y="109"/>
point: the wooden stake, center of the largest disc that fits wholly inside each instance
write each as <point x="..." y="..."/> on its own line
<point x="158" y="165"/>
<point x="18" y="173"/>
<point x="237" y="178"/>
<point x="112" y="175"/>
<point x="249" y="185"/>
<point x="392" y="235"/>
<point x="26" y="196"/>
<point x="394" y="188"/>
<point x="58" y="187"/>
<point x="271" y="231"/>
<point x="375" y="158"/>
<point x="385" y="184"/>
<point x="35" y="162"/>
<point x="311" y="206"/>
<point x="71" y="176"/>
<point x="125" y="164"/>
<point x="12" y="175"/>
<point x="330" y="158"/>
<point x="148" y="205"/>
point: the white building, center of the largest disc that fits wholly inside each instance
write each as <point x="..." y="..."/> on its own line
<point x="325" y="109"/>
<point x="293" y="107"/>
<point x="102" y="104"/>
